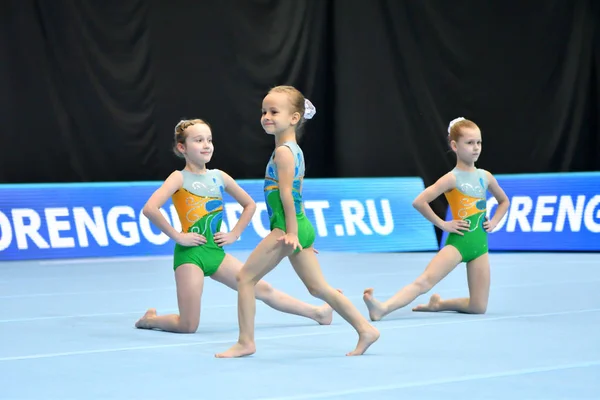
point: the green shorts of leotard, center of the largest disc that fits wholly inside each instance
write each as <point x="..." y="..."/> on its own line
<point x="207" y="257"/>
<point x="306" y="232"/>
<point x="471" y="245"/>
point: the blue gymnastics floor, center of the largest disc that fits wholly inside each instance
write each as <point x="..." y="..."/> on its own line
<point x="66" y="332"/>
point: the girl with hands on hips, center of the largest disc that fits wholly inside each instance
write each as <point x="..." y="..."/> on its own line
<point x="465" y="189"/>
<point x="189" y="239"/>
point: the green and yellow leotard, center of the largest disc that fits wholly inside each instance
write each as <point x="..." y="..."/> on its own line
<point x="199" y="205"/>
<point x="467" y="201"/>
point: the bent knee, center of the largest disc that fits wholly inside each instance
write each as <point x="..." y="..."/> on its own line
<point x="188" y="326"/>
<point x="243" y="277"/>
<point x="239" y="277"/>
<point x="319" y="291"/>
<point x="477" y="308"/>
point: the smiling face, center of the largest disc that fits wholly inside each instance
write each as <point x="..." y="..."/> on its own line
<point x="278" y="113"/>
<point x="194" y="141"/>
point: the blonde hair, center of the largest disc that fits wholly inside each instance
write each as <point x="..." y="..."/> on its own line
<point x="454" y="128"/>
<point x="181" y="135"/>
<point x="297" y="100"/>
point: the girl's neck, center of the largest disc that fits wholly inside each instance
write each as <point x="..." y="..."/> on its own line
<point x="287" y="136"/>
<point x="195" y="168"/>
<point x="461" y="165"/>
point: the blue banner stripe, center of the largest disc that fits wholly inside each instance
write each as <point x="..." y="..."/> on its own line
<point x="548" y="212"/>
<point x="105" y="219"/>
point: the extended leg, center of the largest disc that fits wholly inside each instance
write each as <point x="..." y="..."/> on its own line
<point x="478" y="276"/>
<point x="280" y="301"/>
<point x="440" y="266"/>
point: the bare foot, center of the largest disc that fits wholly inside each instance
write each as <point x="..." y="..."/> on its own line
<point x="365" y="339"/>
<point x="238" y="350"/>
<point x="324" y="314"/>
<point x="376" y="309"/>
<point x="144" y="322"/>
<point x="433" y="305"/>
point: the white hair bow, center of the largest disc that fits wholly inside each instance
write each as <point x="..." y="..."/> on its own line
<point x="454" y="121"/>
<point x="309" y="109"/>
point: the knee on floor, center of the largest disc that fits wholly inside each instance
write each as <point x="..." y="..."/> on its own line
<point x="477" y="308"/>
<point x="188" y="325"/>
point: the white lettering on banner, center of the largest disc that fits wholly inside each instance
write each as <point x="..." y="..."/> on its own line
<point x="22" y="230"/>
<point x="129" y="227"/>
<point x="388" y="226"/>
<point x="589" y="216"/>
<point x="27" y="225"/>
<point x="353" y="213"/>
<point x="55" y="227"/>
<point x="575" y="213"/>
<point x="563" y="208"/>
<point x="317" y="208"/>
<point x="96" y="226"/>
<point x="520" y="207"/>
<point x="541" y="211"/>
<point x="5" y="232"/>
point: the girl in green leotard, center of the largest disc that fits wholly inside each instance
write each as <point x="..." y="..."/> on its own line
<point x="197" y="194"/>
<point x="284" y="110"/>
<point x="464" y="187"/>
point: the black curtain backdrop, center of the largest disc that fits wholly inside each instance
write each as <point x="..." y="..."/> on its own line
<point x="91" y="90"/>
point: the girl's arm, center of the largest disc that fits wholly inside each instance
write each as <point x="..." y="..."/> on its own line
<point x="503" y="202"/>
<point x="421" y="203"/>
<point x="286" y="165"/>
<point x="152" y="211"/>
<point x="244" y="199"/>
